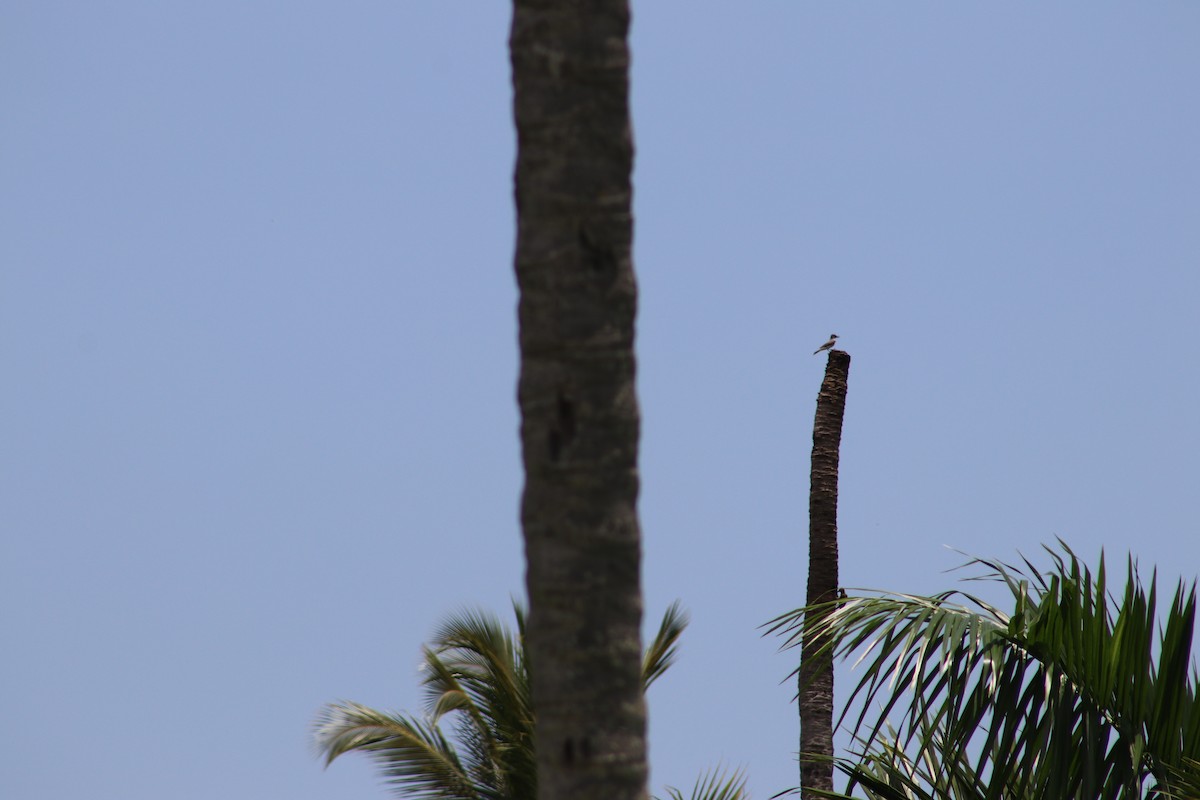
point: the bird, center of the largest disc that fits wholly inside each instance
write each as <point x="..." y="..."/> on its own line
<point x="828" y="345"/>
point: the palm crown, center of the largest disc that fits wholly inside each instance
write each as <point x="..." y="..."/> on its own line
<point x="1077" y="693"/>
<point x="475" y="672"/>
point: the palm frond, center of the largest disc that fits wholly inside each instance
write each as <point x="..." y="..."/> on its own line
<point x="714" y="785"/>
<point x="663" y="650"/>
<point x="475" y="673"/>
<point x="414" y="755"/>
<point x="476" y="666"/>
<point x="1077" y="693"/>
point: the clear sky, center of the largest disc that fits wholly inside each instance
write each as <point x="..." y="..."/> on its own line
<point x="258" y="343"/>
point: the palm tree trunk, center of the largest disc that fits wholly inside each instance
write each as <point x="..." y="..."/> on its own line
<point x="580" y="418"/>
<point x="816" y="670"/>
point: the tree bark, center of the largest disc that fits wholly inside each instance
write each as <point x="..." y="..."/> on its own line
<point x="580" y="418"/>
<point x="816" y="671"/>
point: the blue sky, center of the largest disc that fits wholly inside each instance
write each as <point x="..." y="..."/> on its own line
<point x="257" y="327"/>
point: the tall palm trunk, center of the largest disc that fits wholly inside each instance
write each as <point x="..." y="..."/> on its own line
<point x="816" y="669"/>
<point x="580" y="419"/>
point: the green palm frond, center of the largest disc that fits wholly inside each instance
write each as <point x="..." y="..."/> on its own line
<point x="478" y="655"/>
<point x="1077" y="693"/>
<point x="714" y="785"/>
<point x="476" y="666"/>
<point x="663" y="650"/>
<point x="475" y="674"/>
<point x="414" y="755"/>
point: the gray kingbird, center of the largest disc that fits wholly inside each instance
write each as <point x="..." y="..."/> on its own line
<point x="828" y="345"/>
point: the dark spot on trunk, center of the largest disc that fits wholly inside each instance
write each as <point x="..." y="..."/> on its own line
<point x="563" y="431"/>
<point x="598" y="254"/>
<point x="569" y="751"/>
